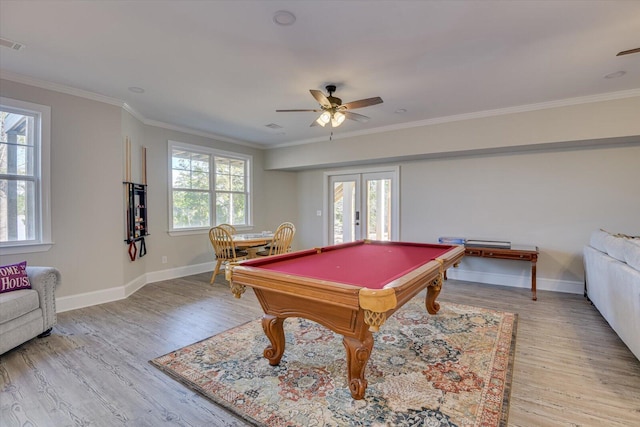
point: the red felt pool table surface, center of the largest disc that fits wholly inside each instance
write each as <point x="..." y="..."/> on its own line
<point x="371" y="265"/>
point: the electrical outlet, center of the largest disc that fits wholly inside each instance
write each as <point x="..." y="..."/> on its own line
<point x="319" y="213"/>
<point x="164" y="259"/>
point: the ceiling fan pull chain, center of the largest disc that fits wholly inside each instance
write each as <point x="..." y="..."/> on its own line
<point x="331" y="136"/>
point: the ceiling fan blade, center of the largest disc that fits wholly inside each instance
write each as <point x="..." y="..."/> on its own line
<point x="314" y="123"/>
<point x="321" y="98"/>
<point x="362" y="103"/>
<point x="355" y="116"/>
<point x="628" y="52"/>
<point x="292" y="111"/>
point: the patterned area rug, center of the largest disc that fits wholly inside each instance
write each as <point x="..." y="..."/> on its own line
<point x="451" y="369"/>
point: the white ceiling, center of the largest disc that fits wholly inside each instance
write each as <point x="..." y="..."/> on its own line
<point x="223" y="67"/>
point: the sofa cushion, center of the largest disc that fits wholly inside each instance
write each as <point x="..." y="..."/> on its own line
<point x="14" y="277"/>
<point x="632" y="253"/>
<point x="597" y="240"/>
<point x="18" y="303"/>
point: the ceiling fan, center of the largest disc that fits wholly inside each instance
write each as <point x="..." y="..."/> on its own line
<point x="334" y="111"/>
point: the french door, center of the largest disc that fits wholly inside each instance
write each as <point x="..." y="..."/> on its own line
<point x="362" y="205"/>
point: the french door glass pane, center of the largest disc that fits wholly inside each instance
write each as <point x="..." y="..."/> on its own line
<point x="344" y="206"/>
<point x="379" y="209"/>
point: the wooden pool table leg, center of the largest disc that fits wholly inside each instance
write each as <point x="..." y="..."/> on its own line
<point x="273" y="329"/>
<point x="358" y="353"/>
<point x="433" y="290"/>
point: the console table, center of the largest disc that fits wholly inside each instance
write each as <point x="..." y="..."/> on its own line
<point x="516" y="252"/>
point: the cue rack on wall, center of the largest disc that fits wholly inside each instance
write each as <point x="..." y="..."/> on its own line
<point x="135" y="206"/>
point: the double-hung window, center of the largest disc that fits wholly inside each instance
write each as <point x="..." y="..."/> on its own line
<point x="208" y="187"/>
<point x="25" y="224"/>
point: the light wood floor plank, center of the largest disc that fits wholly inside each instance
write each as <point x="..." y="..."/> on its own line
<point x="570" y="368"/>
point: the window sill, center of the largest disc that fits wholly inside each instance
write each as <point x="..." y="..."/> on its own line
<point x="194" y="231"/>
<point x="25" y="248"/>
<point x="174" y="233"/>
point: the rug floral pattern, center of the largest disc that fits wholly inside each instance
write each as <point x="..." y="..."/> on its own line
<point x="451" y="369"/>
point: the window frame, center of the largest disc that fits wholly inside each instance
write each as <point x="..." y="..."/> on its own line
<point x="41" y="177"/>
<point x="212" y="153"/>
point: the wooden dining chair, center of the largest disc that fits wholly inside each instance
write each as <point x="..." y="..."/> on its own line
<point x="230" y="228"/>
<point x="281" y="242"/>
<point x="224" y="248"/>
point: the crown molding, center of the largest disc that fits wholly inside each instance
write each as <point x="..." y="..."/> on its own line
<point x="610" y="96"/>
<point x="190" y="131"/>
<point x="20" y="78"/>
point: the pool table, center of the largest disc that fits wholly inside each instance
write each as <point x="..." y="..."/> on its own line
<point x="350" y="288"/>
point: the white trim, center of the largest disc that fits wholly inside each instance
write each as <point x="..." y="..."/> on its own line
<point x="25" y="248"/>
<point x="174" y="273"/>
<point x="523" y="281"/>
<point x="88" y="299"/>
<point x="247" y="158"/>
<point x="19" y="78"/>
<point x="610" y="96"/>
<point x="395" y="169"/>
<point x="43" y="181"/>
<point x="220" y="138"/>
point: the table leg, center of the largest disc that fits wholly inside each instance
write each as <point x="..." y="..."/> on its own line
<point x="533" y="280"/>
<point x="273" y="329"/>
<point x="358" y="353"/>
<point x="433" y="290"/>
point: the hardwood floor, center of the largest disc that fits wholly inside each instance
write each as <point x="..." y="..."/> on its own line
<point x="570" y="368"/>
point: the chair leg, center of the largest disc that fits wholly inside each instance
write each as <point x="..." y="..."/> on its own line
<point x="215" y="271"/>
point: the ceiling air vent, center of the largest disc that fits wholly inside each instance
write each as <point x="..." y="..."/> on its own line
<point x="11" y="44"/>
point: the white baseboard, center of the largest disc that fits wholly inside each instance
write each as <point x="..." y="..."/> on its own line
<point x="87" y="299"/>
<point x="542" y="284"/>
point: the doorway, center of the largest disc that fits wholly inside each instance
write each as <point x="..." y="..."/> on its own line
<point x="362" y="204"/>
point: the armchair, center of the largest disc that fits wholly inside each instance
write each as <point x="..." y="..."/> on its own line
<point x="29" y="313"/>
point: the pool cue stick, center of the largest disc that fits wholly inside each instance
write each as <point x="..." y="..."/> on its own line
<point x="126" y="188"/>
<point x="144" y="165"/>
<point x="129" y="166"/>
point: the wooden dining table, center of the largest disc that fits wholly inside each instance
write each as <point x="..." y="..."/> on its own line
<point x="251" y="242"/>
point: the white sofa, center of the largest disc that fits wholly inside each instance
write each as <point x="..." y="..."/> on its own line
<point x="612" y="277"/>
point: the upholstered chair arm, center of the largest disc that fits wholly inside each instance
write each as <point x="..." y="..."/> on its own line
<point x="44" y="280"/>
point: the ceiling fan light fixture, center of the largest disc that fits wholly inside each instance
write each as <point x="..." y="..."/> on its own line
<point x="324" y="118"/>
<point x="337" y="119"/>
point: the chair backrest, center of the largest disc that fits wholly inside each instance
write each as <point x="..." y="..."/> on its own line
<point x="230" y="228"/>
<point x="282" y="239"/>
<point x="222" y="243"/>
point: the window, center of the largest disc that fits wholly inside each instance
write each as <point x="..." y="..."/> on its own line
<point x="25" y="224"/>
<point x="208" y="187"/>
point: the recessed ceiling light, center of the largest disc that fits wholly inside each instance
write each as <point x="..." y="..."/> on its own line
<point x="284" y="18"/>
<point x="136" y="89"/>
<point x="615" y="75"/>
